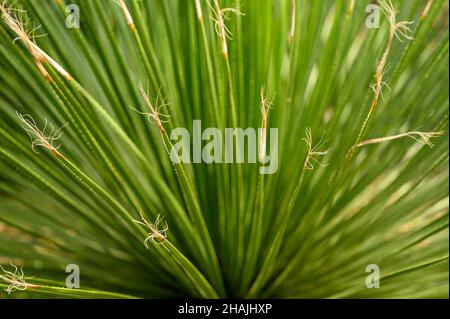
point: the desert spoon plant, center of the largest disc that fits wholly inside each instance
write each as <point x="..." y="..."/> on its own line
<point x="91" y="93"/>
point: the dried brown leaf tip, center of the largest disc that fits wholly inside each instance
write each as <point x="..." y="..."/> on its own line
<point x="18" y="22"/>
<point x="421" y="137"/>
<point x="293" y="18"/>
<point x="426" y="10"/>
<point x="265" y="105"/>
<point x="15" y="279"/>
<point x="127" y="14"/>
<point x="47" y="137"/>
<point x="351" y="7"/>
<point x="399" y="30"/>
<point x="198" y="9"/>
<point x="220" y="16"/>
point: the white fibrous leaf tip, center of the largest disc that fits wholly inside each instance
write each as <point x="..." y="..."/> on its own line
<point x="47" y="137"/>
<point x="15" y="279"/>
<point x="154" y="115"/>
<point x="421" y="137"/>
<point x="158" y="230"/>
<point x="17" y="20"/>
<point x="401" y="30"/>
<point x="219" y="16"/>
<point x="265" y="106"/>
<point x="314" y="150"/>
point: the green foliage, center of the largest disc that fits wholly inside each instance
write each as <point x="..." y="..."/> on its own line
<point x="334" y="206"/>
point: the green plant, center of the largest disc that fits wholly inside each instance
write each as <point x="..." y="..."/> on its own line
<point x="362" y="171"/>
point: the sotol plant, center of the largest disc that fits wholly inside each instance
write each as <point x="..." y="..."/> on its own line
<point x="362" y="114"/>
